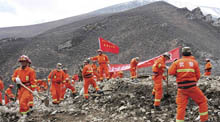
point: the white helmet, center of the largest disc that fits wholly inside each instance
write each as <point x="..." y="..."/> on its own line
<point x="166" y="54"/>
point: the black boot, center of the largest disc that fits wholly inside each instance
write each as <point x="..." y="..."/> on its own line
<point x="74" y="95"/>
<point x="152" y="105"/>
<point x="157" y="108"/>
<point x="100" y="92"/>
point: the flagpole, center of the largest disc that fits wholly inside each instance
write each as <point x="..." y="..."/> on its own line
<point x="99" y="43"/>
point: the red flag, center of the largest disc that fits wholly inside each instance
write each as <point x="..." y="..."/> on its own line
<point x="107" y="46"/>
<point x="120" y="67"/>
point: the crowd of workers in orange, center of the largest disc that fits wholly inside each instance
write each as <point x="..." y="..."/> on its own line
<point x="186" y="70"/>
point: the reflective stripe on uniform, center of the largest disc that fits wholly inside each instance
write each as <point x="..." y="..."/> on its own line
<point x="185" y="70"/>
<point x="134" y="76"/>
<point x="25" y="112"/>
<point x="159" y="65"/>
<point x="31" y="102"/>
<point x="27" y="78"/>
<point x="33" y="86"/>
<point x="86" y="94"/>
<point x="157" y="100"/>
<point x="54" y="100"/>
<point x="204" y="113"/>
<point x="179" y="120"/>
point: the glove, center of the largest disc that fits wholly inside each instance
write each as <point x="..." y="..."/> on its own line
<point x="167" y="67"/>
<point x="108" y="65"/>
<point x="18" y="80"/>
<point x="35" y="93"/>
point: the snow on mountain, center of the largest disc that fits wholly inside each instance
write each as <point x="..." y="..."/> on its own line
<point x="214" y="11"/>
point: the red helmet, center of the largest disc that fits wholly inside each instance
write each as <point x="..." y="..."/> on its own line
<point x="99" y="50"/>
<point x="11" y="86"/>
<point x="24" y="58"/>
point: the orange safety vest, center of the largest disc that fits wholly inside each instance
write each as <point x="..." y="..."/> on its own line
<point x="87" y="71"/>
<point x="58" y="76"/>
<point x="102" y="59"/>
<point x="208" y="67"/>
<point x="26" y="75"/>
<point x="187" y="72"/>
<point x="159" y="65"/>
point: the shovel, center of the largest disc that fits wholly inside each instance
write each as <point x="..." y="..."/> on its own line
<point x="167" y="95"/>
<point x="45" y="101"/>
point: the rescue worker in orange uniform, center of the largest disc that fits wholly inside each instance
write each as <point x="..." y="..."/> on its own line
<point x="187" y="74"/>
<point x="158" y="69"/>
<point x="67" y="84"/>
<point x="120" y="74"/>
<point x="26" y="76"/>
<point x="133" y="68"/>
<point x="1" y="90"/>
<point x="56" y="77"/>
<point x="103" y="64"/>
<point x="9" y="95"/>
<point x="95" y="70"/>
<point x="42" y="85"/>
<point x="208" y="68"/>
<point x="88" y="78"/>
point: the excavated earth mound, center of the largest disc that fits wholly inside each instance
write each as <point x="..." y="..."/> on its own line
<point x="123" y="100"/>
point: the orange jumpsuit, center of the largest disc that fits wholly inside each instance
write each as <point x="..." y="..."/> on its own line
<point x="187" y="74"/>
<point x="68" y="85"/>
<point x="88" y="77"/>
<point x="208" y="67"/>
<point x="133" y="68"/>
<point x="1" y="89"/>
<point x="158" y="70"/>
<point x="103" y="64"/>
<point x="8" y="95"/>
<point x="95" y="71"/>
<point x="27" y="77"/>
<point x="58" y="78"/>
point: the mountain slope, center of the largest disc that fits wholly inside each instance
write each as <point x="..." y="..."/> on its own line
<point x="33" y="30"/>
<point x="146" y="31"/>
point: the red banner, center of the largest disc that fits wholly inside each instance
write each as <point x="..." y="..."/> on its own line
<point x="107" y="46"/>
<point x="121" y="67"/>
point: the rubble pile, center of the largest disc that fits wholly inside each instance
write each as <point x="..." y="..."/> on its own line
<point x="124" y="100"/>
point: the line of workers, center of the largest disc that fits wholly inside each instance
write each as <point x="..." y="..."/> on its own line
<point x="185" y="69"/>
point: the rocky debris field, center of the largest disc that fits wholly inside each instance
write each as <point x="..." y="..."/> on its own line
<point x="123" y="100"/>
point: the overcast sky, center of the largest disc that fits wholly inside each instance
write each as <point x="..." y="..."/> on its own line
<point x="27" y="12"/>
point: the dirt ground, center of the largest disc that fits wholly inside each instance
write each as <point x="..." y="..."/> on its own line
<point x="123" y="101"/>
